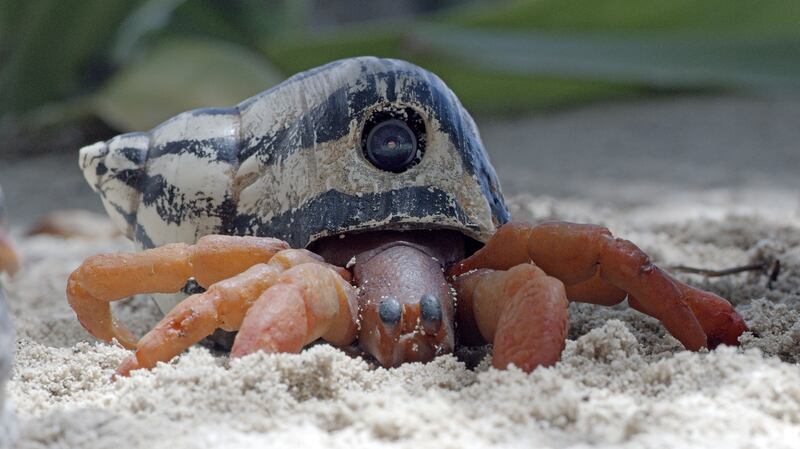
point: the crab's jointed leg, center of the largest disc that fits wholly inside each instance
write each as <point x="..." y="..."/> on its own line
<point x="8" y="257"/>
<point x="523" y="311"/>
<point x="592" y="263"/>
<point x="279" y="306"/>
<point x="110" y="277"/>
<point x="308" y="302"/>
<point x="596" y="291"/>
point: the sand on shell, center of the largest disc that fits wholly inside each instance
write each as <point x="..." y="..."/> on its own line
<point x="621" y="383"/>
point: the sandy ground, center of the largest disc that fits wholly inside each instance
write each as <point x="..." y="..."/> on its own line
<point x="622" y="383"/>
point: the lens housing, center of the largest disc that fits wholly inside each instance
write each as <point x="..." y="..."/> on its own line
<point x="393" y="140"/>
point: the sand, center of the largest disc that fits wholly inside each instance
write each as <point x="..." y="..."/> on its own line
<point x="621" y="383"/>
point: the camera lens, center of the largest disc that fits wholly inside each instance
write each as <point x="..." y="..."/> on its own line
<point x="391" y="145"/>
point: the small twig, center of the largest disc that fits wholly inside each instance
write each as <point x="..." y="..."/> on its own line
<point x="772" y="269"/>
<point x="773" y="273"/>
<point x="717" y="273"/>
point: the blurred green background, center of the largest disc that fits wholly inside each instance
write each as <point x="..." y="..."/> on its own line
<point x="74" y="71"/>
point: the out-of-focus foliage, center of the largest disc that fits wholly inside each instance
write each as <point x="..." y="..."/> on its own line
<point x="733" y="17"/>
<point x="480" y="88"/>
<point x="133" y="99"/>
<point x="133" y="63"/>
<point x="671" y="44"/>
<point x="47" y="47"/>
<point x="668" y="61"/>
<point x="523" y="54"/>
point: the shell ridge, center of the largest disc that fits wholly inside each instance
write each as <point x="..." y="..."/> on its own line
<point x="330" y="212"/>
<point x="139" y="234"/>
<point x="227" y="208"/>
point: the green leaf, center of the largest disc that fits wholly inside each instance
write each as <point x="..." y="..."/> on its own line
<point x="742" y="17"/>
<point x="180" y="75"/>
<point x="480" y="89"/>
<point x="524" y="54"/>
<point x="47" y="47"/>
<point x="151" y="17"/>
<point x="673" y="61"/>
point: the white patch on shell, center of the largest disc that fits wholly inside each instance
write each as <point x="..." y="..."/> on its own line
<point x="193" y="126"/>
<point x="149" y="219"/>
<point x="201" y="182"/>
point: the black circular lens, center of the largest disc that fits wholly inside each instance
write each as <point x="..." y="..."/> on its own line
<point x="391" y="145"/>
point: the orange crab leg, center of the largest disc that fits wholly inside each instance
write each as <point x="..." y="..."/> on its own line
<point x="308" y="302"/>
<point x="8" y="257"/>
<point x="713" y="313"/>
<point x="226" y="303"/>
<point x="110" y="277"/>
<point x="596" y="291"/>
<point x="523" y="311"/>
<point x="575" y="253"/>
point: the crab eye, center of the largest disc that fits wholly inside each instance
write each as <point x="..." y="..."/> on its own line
<point x="430" y="313"/>
<point x="391" y="145"/>
<point x="390" y="311"/>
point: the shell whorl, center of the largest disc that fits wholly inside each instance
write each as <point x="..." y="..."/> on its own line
<point x="176" y="181"/>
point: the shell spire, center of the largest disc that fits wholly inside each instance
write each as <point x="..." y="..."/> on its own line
<point x="113" y="169"/>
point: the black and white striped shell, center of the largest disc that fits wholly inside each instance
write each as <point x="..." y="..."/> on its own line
<point x="289" y="163"/>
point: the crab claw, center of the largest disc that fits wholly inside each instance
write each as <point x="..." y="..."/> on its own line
<point x="9" y="261"/>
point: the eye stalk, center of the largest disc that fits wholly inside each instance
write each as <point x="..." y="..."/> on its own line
<point x="390" y="311"/>
<point x="391" y="146"/>
<point x="430" y="313"/>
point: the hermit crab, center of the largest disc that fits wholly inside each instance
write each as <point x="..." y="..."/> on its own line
<point x="376" y="175"/>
